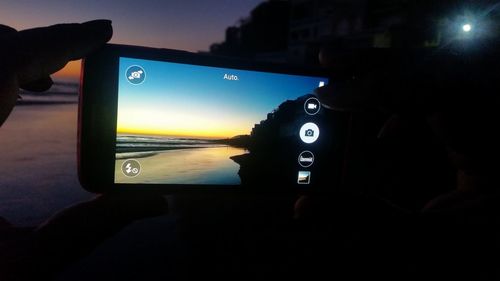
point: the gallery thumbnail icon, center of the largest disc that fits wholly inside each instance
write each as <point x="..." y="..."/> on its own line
<point x="304" y="177"/>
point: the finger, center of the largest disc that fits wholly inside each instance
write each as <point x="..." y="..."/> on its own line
<point x="325" y="96"/>
<point x="337" y="95"/>
<point x="343" y="61"/>
<point x="135" y="206"/>
<point x="43" y="51"/>
<point x="39" y="85"/>
<point x="302" y="207"/>
<point x="4" y="223"/>
<point x="9" y="90"/>
<point x="354" y="85"/>
<point x="326" y="56"/>
<point x="110" y="211"/>
<point x="349" y="95"/>
<point x="4" y="29"/>
<point x="394" y="124"/>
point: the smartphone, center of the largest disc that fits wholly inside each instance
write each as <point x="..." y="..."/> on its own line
<point x="172" y="121"/>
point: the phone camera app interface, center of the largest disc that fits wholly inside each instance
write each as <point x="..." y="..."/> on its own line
<point x="189" y="124"/>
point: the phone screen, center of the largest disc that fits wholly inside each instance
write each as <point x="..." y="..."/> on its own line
<point x="201" y="125"/>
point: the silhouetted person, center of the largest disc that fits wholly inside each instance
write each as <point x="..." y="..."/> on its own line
<point x="453" y="91"/>
<point x="349" y="230"/>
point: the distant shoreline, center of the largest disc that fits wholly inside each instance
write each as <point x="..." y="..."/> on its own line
<point x="32" y="102"/>
<point x="47" y="98"/>
<point x="157" y="149"/>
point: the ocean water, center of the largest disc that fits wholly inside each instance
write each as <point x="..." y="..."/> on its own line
<point x="177" y="160"/>
<point x="138" y="146"/>
<point x="38" y="169"/>
<point x="38" y="165"/>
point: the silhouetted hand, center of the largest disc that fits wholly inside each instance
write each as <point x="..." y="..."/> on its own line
<point x="356" y="86"/>
<point x="455" y="95"/>
<point x="450" y="91"/>
<point x="28" y="57"/>
<point x="39" y="253"/>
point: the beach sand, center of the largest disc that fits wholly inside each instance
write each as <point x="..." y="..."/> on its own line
<point x="187" y="166"/>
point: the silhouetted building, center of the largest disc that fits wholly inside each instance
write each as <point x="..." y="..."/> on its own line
<point x="295" y="30"/>
<point x="264" y="33"/>
<point x="281" y="123"/>
<point x="314" y="22"/>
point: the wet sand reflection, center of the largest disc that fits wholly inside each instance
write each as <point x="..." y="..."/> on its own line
<point x="187" y="166"/>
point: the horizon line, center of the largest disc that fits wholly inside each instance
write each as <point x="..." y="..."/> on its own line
<point x="178" y="136"/>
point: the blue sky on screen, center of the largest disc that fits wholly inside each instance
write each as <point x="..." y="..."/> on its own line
<point x="186" y="100"/>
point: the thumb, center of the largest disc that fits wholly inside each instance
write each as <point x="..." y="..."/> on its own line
<point x="77" y="230"/>
<point x="9" y="90"/>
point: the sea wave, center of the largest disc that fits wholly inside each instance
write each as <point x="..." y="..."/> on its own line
<point x="129" y="155"/>
<point x="126" y="144"/>
<point x="160" y="140"/>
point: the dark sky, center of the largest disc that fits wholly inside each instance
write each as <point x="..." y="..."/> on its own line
<point x="178" y="24"/>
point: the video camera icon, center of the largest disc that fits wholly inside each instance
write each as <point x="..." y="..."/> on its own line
<point x="312" y="106"/>
<point x="135" y="74"/>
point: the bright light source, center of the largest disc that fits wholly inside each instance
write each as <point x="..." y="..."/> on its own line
<point x="467" y="27"/>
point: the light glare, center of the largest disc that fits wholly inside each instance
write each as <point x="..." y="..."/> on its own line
<point x="467" y="27"/>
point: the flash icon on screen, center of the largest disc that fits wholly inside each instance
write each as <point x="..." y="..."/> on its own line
<point x="131" y="168"/>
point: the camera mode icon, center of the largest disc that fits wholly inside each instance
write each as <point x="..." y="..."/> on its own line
<point x="135" y="75"/>
<point x="306" y="159"/>
<point x="309" y="132"/>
